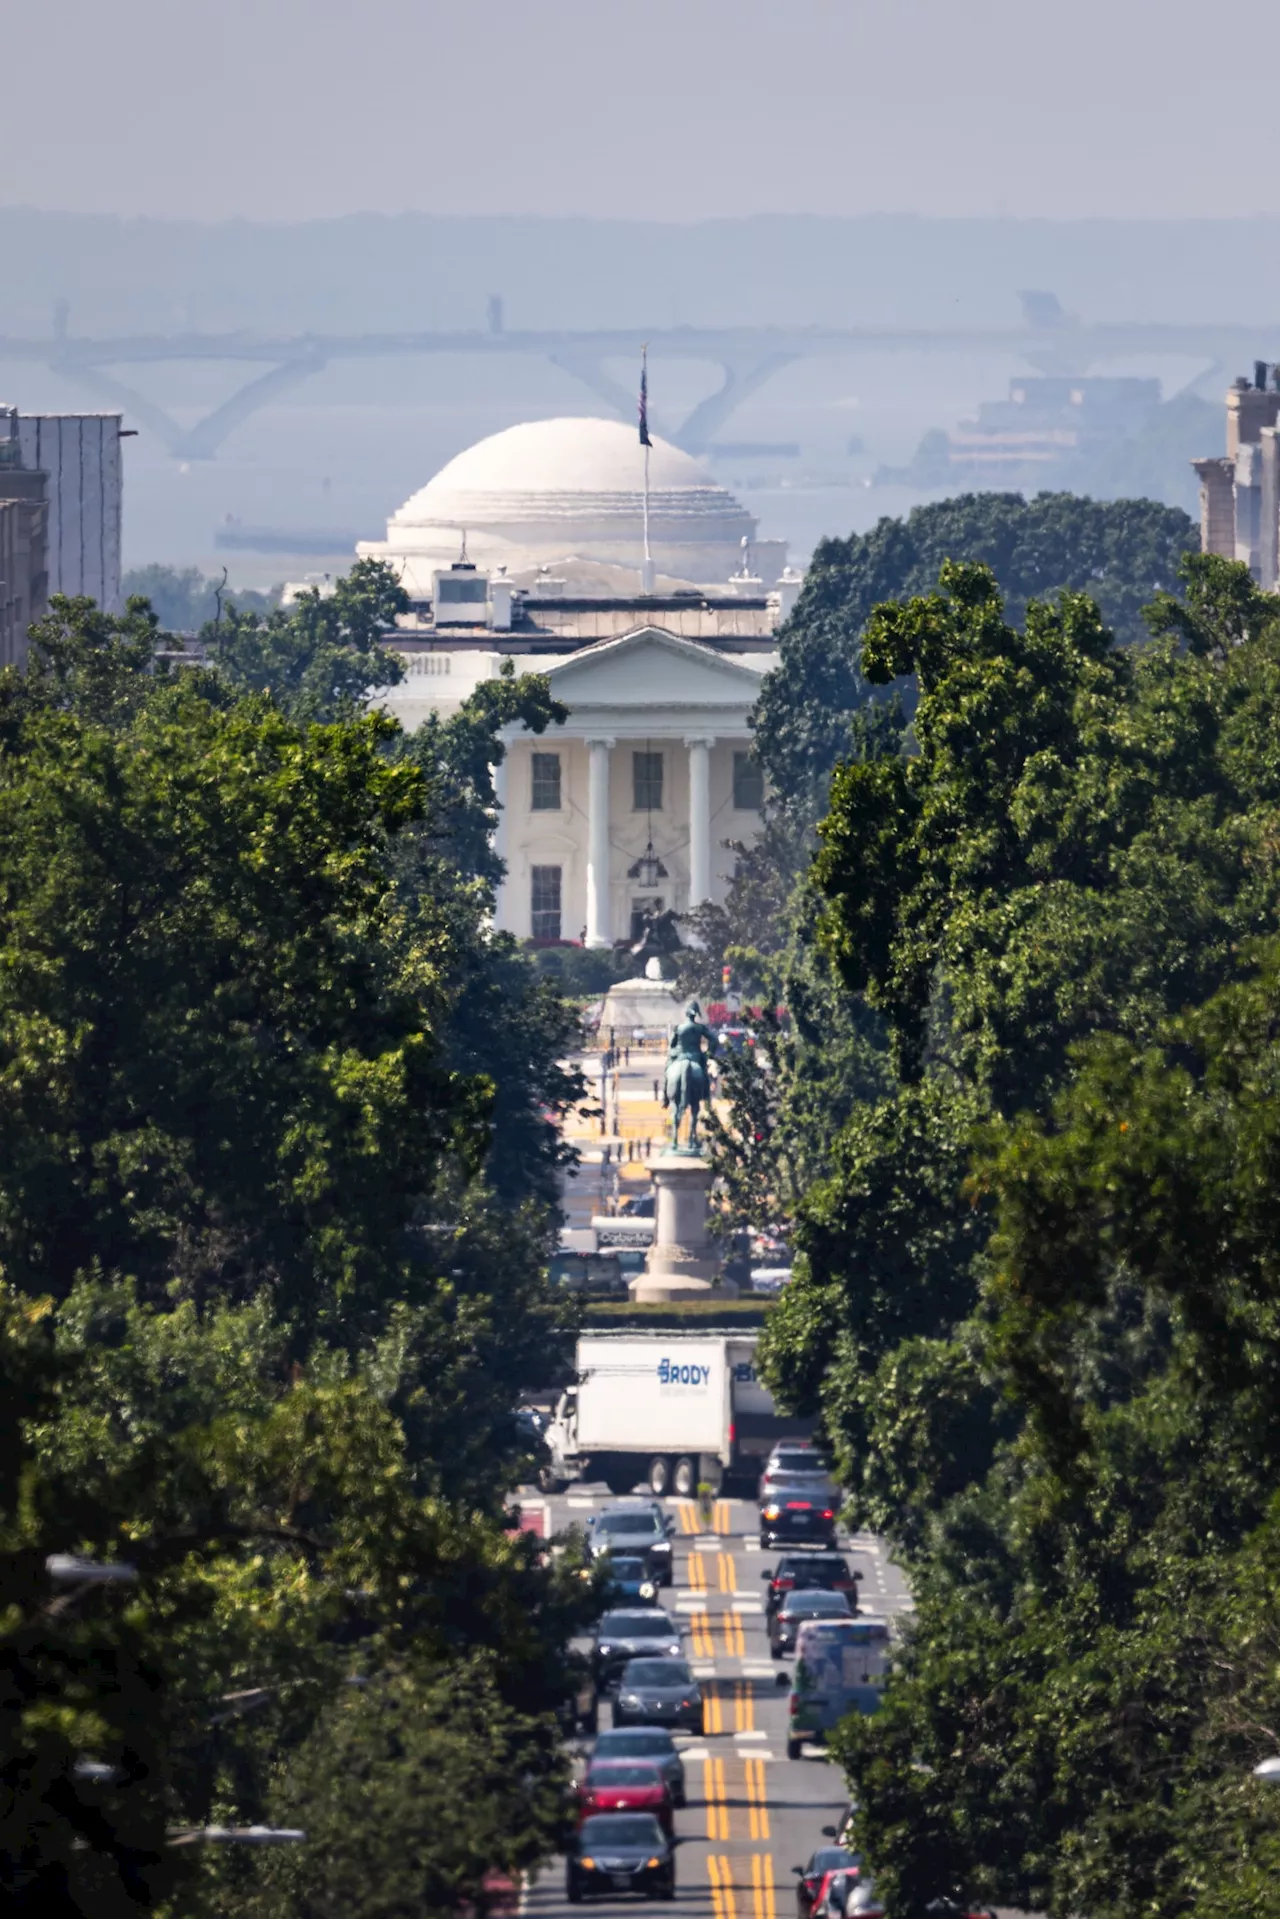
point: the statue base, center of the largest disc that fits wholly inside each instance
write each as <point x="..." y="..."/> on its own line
<point x="683" y="1261"/>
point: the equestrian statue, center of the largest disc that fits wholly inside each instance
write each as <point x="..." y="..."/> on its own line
<point x="686" y="1085"/>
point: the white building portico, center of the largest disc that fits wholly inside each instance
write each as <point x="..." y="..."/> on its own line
<point x="623" y="811"/>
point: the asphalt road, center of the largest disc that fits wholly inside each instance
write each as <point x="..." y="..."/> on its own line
<point x="752" y="1813"/>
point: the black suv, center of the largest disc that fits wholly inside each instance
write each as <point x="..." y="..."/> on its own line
<point x="796" y="1509"/>
<point x="810" y="1572"/>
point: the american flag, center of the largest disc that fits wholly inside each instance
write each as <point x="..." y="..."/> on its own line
<point x="644" y="398"/>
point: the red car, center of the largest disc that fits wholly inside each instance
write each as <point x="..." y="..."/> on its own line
<point x="626" y="1785"/>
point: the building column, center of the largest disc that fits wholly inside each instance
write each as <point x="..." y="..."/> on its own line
<point x="699" y="820"/>
<point x="598" y="843"/>
<point x="499" y="841"/>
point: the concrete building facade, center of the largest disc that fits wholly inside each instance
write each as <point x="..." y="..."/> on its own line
<point x="1240" y="490"/>
<point x="80" y="455"/>
<point x="23" y="522"/>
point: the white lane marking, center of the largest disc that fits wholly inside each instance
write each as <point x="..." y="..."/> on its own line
<point x="696" y="1604"/>
<point x="714" y="1544"/>
<point x="695" y="1753"/>
<point x="752" y="1544"/>
<point x="759" y="1672"/>
<point x="580" y="1499"/>
<point x="748" y="1605"/>
<point x="751" y="1735"/>
<point x="703" y="1669"/>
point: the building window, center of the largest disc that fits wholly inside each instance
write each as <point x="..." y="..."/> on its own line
<point x="748" y="784"/>
<point x="646" y="777"/>
<point x="546" y="782"/>
<point x="546" y="902"/>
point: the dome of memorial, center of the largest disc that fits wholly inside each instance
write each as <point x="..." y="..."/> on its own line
<point x="549" y="492"/>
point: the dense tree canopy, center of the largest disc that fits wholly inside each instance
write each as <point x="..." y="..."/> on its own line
<point x="1035" y="1306"/>
<point x="1121" y="552"/>
<point x="277" y="1112"/>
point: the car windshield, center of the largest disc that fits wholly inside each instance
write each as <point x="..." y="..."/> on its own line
<point x="628" y="1524"/>
<point x="627" y="1568"/>
<point x="615" y="1773"/>
<point x="658" y="1672"/>
<point x="630" y="1741"/>
<point x="831" y="1858"/>
<point x="621" y="1829"/>
<point x="796" y="1463"/>
<point x="636" y="1625"/>
<point x="810" y="1605"/>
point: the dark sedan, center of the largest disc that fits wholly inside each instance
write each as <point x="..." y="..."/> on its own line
<point x="658" y="1692"/>
<point x="613" y="1853"/>
<point x="793" y="1512"/>
<point x="645" y="1633"/>
<point x="645" y="1742"/>
<point x="784" y="1624"/>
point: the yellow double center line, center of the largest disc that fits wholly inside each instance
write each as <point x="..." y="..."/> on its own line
<point x="720" y="1873"/>
<point x="757" y="1804"/>
<point x="716" y="1798"/>
<point x="692" y="1525"/>
<point x="728" y="1572"/>
<point x="762" y="1883"/>
<point x="700" y="1628"/>
<point x="697" y="1574"/>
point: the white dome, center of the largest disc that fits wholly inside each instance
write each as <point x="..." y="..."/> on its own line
<point x="551" y="491"/>
<point x="552" y="457"/>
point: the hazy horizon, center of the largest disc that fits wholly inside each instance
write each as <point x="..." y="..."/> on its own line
<point x="688" y="110"/>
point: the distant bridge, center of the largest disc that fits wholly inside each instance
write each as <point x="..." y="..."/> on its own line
<point x="1050" y="340"/>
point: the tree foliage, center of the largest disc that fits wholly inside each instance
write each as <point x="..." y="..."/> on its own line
<point x="272" y="1278"/>
<point x="1035" y="1307"/>
<point x="1120" y="552"/>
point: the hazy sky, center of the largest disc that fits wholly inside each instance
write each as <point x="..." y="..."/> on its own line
<point x="671" y="109"/>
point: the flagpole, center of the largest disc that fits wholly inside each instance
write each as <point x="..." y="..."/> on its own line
<point x="646" y="573"/>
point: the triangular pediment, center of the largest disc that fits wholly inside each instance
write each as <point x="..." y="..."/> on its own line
<point x="651" y="667"/>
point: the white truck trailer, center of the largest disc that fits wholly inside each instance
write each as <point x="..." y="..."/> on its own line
<point x="671" y="1408"/>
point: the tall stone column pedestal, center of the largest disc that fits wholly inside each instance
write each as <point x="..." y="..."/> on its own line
<point x="683" y="1262"/>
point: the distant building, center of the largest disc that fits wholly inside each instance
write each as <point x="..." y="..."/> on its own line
<point x="1240" y="490"/>
<point x="622" y="813"/>
<point x="23" y="522"/>
<point x="80" y="454"/>
<point x="1048" y="432"/>
<point x="566" y="497"/>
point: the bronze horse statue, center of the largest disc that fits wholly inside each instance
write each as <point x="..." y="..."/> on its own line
<point x="686" y="1085"/>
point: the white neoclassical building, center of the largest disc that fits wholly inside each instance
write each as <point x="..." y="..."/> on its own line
<point x="626" y="809"/>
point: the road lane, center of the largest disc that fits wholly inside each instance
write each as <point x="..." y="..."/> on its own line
<point x="752" y="1814"/>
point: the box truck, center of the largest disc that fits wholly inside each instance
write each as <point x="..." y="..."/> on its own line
<point x="671" y="1408"/>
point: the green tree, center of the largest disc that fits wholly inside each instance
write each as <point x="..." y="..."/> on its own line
<point x="1120" y="552"/>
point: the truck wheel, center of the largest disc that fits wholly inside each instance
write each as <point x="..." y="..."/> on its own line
<point x="793" y="1748"/>
<point x="659" y="1476"/>
<point x="685" y="1478"/>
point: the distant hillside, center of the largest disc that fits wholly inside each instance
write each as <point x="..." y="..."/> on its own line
<point x="417" y="270"/>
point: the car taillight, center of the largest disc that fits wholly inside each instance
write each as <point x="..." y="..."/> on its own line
<point x="797" y="1506"/>
<point x="828" y="1512"/>
<point x="783" y="1585"/>
<point x="793" y="1704"/>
